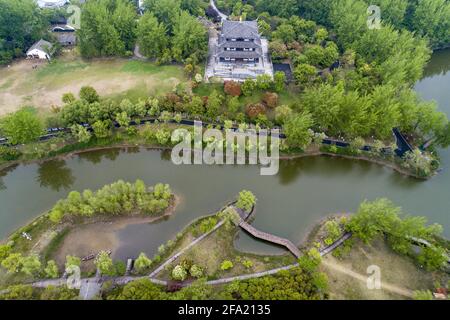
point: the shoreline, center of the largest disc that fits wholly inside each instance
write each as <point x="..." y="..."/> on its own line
<point x="65" y="156"/>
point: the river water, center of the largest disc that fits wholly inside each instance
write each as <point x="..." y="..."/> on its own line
<point x="289" y="203"/>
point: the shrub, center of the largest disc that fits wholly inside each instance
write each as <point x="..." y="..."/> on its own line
<point x="232" y="88"/>
<point x="142" y="263"/>
<point x="196" y="271"/>
<point x="247" y="263"/>
<point x="207" y="225"/>
<point x="179" y="273"/>
<point x="255" y="109"/>
<point x="270" y="99"/>
<point x="226" y="265"/>
<point x="89" y="94"/>
<point x="9" y="154"/>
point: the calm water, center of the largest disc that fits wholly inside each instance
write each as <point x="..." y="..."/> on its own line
<point x="289" y="203"/>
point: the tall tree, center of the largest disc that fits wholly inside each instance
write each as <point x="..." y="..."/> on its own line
<point x="151" y="36"/>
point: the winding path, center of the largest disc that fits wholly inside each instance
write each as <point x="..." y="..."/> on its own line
<point x="221" y="15"/>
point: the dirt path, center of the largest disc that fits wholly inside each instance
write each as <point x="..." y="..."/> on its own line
<point x="363" y="278"/>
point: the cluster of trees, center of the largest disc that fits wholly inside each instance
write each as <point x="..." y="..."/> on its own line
<point x="295" y="284"/>
<point x="22" y="23"/>
<point x="169" y="30"/>
<point x="31" y="265"/>
<point x="383" y="218"/>
<point x="107" y="28"/>
<point x="348" y="113"/>
<point x="118" y="198"/>
<point x="22" y="126"/>
<point x="27" y="292"/>
<point x="428" y="18"/>
<point x="185" y="269"/>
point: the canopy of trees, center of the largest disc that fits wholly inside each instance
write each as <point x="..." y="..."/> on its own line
<point x="382" y="217"/>
<point x="21" y="24"/>
<point x="118" y="198"/>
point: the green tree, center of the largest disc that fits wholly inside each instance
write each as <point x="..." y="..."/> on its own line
<point x="80" y="133"/>
<point x="305" y="73"/>
<point x="51" y="270"/>
<point x="432" y="258"/>
<point x="104" y="263"/>
<point x="99" y="34"/>
<point x="151" y="36"/>
<point x="142" y="263"/>
<point x="283" y="114"/>
<point x="189" y="37"/>
<point x="123" y="119"/>
<point x="298" y="130"/>
<point x="31" y="265"/>
<point x="72" y="261"/>
<point x="214" y="104"/>
<point x="279" y="79"/>
<point x="101" y="129"/>
<point x="179" y="273"/>
<point x="248" y="87"/>
<point x="246" y="200"/>
<point x="13" y="262"/>
<point x="22" y="126"/>
<point x="18" y="292"/>
<point x="89" y="94"/>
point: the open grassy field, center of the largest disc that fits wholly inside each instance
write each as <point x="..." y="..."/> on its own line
<point x="114" y="78"/>
<point x="400" y="276"/>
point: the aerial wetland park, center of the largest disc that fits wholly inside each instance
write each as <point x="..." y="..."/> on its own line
<point x="224" y="150"/>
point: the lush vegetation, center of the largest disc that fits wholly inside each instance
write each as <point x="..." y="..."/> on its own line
<point x="383" y="218"/>
<point x="21" y="24"/>
<point x="167" y="31"/>
<point x="119" y="198"/>
<point x="115" y="199"/>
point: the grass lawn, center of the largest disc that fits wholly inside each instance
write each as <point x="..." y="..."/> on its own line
<point x="114" y="78"/>
<point x="219" y="246"/>
<point x="400" y="275"/>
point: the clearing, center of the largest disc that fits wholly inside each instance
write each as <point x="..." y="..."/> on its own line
<point x="114" y="78"/>
<point x="400" y="276"/>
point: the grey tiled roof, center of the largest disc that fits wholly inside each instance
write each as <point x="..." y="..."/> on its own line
<point x="239" y="54"/>
<point x="41" y="45"/>
<point x="240" y="29"/>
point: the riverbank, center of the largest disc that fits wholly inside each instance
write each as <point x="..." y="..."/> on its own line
<point x="310" y="152"/>
<point x="100" y="234"/>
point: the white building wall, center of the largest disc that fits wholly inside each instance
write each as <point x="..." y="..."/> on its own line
<point x="35" y="52"/>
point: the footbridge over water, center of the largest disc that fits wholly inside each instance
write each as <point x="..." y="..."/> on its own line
<point x="244" y="216"/>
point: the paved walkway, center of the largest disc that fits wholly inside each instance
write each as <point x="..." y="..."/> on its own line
<point x="177" y="255"/>
<point x="221" y="15"/>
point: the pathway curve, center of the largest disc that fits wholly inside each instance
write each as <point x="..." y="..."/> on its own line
<point x="384" y="285"/>
<point x="222" y="16"/>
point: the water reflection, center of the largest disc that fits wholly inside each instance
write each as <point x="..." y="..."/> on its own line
<point x="439" y="65"/>
<point x="4" y="173"/>
<point x="56" y="175"/>
<point x="97" y="156"/>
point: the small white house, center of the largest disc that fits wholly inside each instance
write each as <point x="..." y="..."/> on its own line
<point x="40" y="50"/>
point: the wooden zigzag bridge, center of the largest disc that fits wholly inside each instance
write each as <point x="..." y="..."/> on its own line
<point x="264" y="235"/>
